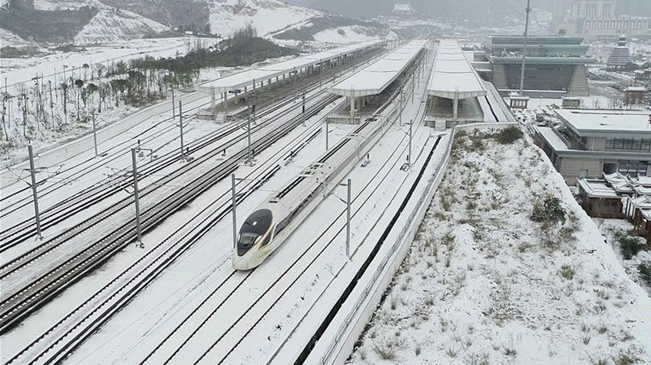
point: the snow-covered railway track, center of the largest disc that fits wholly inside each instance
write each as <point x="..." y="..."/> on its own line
<point x="251" y="312"/>
<point x="20" y="303"/>
<point x="61" y="339"/>
<point x="12" y="236"/>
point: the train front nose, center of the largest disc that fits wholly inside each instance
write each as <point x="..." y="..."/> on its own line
<point x="241" y="263"/>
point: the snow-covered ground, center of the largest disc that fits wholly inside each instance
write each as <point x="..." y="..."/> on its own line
<point x="484" y="284"/>
<point x="228" y="16"/>
<point x="111" y="25"/>
<point x="609" y="228"/>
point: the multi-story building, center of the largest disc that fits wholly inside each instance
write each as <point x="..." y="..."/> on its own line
<point x="553" y="63"/>
<point x="590" y="143"/>
<point x="602" y="19"/>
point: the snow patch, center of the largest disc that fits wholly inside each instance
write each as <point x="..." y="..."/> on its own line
<point x="266" y="16"/>
<point x="111" y="25"/>
<point x="480" y="285"/>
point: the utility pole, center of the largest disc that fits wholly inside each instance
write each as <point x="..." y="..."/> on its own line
<point x="303" y="102"/>
<point x="181" y="128"/>
<point x="95" y="133"/>
<point x="524" y="48"/>
<point x="233" y="209"/>
<point x="349" y="186"/>
<point x="32" y="170"/>
<point x="135" y="195"/>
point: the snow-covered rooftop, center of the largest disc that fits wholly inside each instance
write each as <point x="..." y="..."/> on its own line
<point x="373" y="79"/>
<point x="453" y="76"/>
<point x="598" y="188"/>
<point x="603" y="123"/>
<point x="246" y="78"/>
<point x="552" y="138"/>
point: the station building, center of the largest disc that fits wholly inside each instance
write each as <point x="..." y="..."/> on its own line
<point x="590" y="143"/>
<point x="555" y="65"/>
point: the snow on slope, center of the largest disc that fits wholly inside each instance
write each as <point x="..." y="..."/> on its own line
<point x="227" y="16"/>
<point x="348" y="34"/>
<point x="52" y="5"/>
<point x="480" y="287"/>
<point x="110" y="25"/>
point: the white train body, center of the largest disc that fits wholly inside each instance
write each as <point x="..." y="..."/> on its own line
<point x="279" y="216"/>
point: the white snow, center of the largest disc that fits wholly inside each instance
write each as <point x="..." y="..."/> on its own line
<point x="52" y="5"/>
<point x="111" y="25"/>
<point x="479" y="284"/>
<point x="343" y="35"/>
<point x="228" y="16"/>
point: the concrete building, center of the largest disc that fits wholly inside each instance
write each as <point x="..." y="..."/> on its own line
<point x="604" y="19"/>
<point x="590" y="143"/>
<point x="554" y="65"/>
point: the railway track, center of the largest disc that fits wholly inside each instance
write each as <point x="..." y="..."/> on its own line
<point x="59" y="212"/>
<point x="280" y="284"/>
<point x="22" y="302"/>
<point x="143" y="272"/>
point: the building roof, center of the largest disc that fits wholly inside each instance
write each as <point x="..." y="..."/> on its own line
<point x="552" y="137"/>
<point x="246" y="78"/>
<point x="605" y="123"/>
<point x="373" y="79"/>
<point x="453" y="76"/>
<point x="598" y="189"/>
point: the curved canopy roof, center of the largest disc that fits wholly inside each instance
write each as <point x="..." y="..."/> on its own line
<point x="242" y="79"/>
<point x="373" y="79"/>
<point x="453" y="77"/>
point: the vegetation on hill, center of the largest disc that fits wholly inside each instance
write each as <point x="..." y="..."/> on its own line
<point x="21" y="18"/>
<point x="320" y="24"/>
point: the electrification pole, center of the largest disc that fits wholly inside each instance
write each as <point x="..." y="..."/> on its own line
<point x="95" y="133"/>
<point x="233" y="209"/>
<point x="173" y="107"/>
<point x="524" y="48"/>
<point x="135" y="195"/>
<point x="348" y="219"/>
<point x="327" y="131"/>
<point x="248" y="139"/>
<point x="411" y="122"/>
<point x="32" y="170"/>
<point x="181" y="129"/>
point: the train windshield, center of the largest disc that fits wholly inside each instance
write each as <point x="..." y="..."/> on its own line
<point x="253" y="228"/>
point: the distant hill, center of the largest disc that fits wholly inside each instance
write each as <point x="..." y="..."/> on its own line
<point x="482" y="11"/>
<point x="105" y="21"/>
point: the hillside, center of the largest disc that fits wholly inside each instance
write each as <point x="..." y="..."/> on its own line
<point x="508" y="269"/>
<point x="82" y="22"/>
<point x="331" y="28"/>
<point x="106" y="21"/>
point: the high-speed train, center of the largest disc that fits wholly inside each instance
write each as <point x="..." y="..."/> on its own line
<point x="276" y="219"/>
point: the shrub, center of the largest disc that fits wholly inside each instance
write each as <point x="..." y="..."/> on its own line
<point x="567" y="272"/>
<point x="644" y="269"/>
<point x="629" y="244"/>
<point x="549" y="212"/>
<point x="385" y="351"/>
<point x="508" y="135"/>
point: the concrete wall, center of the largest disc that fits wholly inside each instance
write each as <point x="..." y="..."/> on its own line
<point x="571" y="168"/>
<point x="596" y="144"/>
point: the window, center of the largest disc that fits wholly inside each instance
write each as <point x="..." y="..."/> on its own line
<point x="633" y="168"/>
<point x="628" y="144"/>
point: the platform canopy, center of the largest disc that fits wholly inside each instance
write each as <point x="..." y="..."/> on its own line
<point x="246" y="78"/>
<point x="373" y="79"/>
<point x="453" y="77"/>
